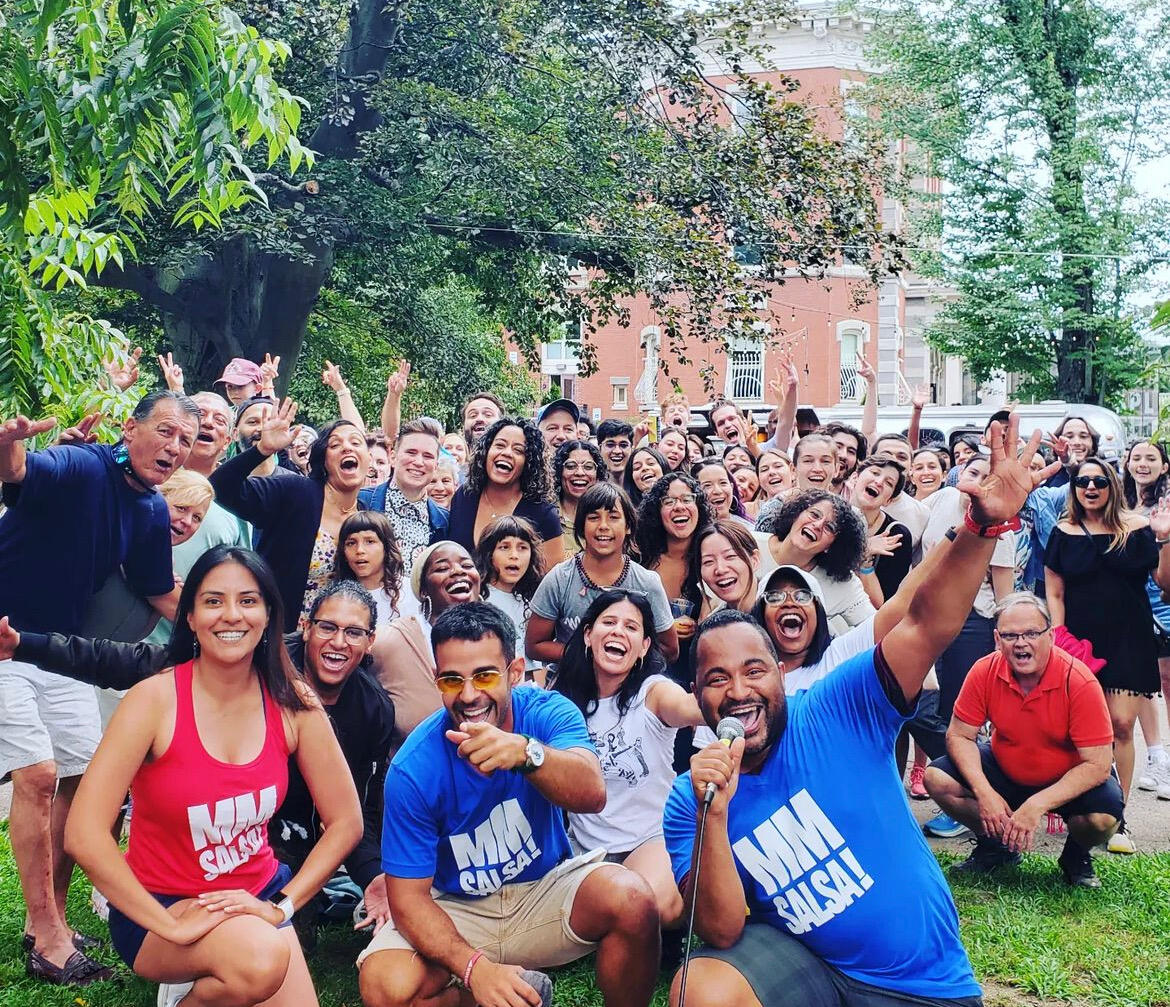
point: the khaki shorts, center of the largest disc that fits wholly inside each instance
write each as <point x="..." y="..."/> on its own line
<point x="46" y="717"/>
<point x="521" y="924"/>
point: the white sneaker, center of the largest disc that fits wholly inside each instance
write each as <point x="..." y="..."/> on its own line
<point x="100" y="905"/>
<point x="1161" y="774"/>
<point x="1121" y="842"/>
<point x="171" y="994"/>
<point x="1147" y="779"/>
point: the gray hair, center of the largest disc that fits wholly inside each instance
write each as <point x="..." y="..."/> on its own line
<point x="147" y="403"/>
<point x="1022" y="598"/>
<point x="219" y="402"/>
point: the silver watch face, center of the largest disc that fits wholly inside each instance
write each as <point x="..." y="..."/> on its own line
<point x="535" y="752"/>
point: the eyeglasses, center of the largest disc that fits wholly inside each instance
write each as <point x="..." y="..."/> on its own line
<point x="325" y="629"/>
<point x="686" y="500"/>
<point x="1030" y="635"/>
<point x="452" y="685"/>
<point x="578" y="467"/>
<point x="1084" y="482"/>
<point x="826" y="522"/>
<point x="801" y="596"/>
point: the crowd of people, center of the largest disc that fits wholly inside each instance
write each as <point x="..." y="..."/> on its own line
<point x="463" y="687"/>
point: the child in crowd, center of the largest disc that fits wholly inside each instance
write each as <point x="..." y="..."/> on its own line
<point x="370" y="555"/>
<point x="509" y="561"/>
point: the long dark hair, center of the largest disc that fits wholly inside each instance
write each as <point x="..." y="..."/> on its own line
<point x="576" y="679"/>
<point x="393" y="569"/>
<point x="510" y="526"/>
<point x="534" y="479"/>
<point x="270" y="660"/>
<point x="1156" y="490"/>
<point x="652" y="539"/>
<point x="628" y="476"/>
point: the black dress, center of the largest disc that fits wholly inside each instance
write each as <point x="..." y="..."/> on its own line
<point x="1105" y="602"/>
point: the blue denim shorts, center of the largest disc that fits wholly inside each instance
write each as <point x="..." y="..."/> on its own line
<point x="127" y="936"/>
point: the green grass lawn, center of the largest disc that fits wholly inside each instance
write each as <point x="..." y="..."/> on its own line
<point x="1026" y="932"/>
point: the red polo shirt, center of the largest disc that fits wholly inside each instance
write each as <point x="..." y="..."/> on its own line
<point x="1035" y="738"/>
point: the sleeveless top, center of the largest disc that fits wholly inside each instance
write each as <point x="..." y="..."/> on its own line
<point x="201" y="824"/>
<point x="636" y="750"/>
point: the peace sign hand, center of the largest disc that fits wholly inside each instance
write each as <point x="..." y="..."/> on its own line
<point x="172" y="373"/>
<point x="278" y="431"/>
<point x="269" y="370"/>
<point x="396" y="383"/>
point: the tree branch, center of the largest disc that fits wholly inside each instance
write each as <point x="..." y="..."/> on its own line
<point x="141" y="281"/>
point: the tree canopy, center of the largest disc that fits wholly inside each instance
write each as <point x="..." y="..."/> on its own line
<point x="533" y="163"/>
<point x="1036" y="115"/>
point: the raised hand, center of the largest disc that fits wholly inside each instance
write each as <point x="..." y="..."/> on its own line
<point x="1004" y="490"/>
<point x="1059" y="447"/>
<point x="21" y="428"/>
<point x="124" y="373"/>
<point x="9" y="639"/>
<point x="787" y="378"/>
<point x="332" y="378"/>
<point x="278" y="431"/>
<point x="865" y="370"/>
<point x="269" y="371"/>
<point x="884" y="545"/>
<point x="84" y="433"/>
<point x="642" y="429"/>
<point x="920" y="397"/>
<point x="172" y="373"/>
<point x="396" y="383"/>
<point x="1160" y="519"/>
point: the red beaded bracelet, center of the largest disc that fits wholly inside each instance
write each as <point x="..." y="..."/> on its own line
<point x="475" y="956"/>
<point x="990" y="530"/>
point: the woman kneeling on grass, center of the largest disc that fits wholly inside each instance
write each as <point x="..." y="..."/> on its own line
<point x="199" y="903"/>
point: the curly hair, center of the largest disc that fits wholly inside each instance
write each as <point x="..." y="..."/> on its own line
<point x="843" y="555"/>
<point x="562" y="456"/>
<point x="393" y="569"/>
<point x="534" y="477"/>
<point x="652" y="538"/>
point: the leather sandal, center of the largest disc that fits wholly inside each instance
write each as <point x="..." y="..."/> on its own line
<point x="79" y="969"/>
<point x="81" y="942"/>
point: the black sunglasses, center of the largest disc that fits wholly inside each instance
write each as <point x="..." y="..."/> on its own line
<point x="1084" y="482"/>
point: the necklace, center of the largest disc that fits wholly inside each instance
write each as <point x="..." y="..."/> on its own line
<point x="590" y="584"/>
<point x="343" y="511"/>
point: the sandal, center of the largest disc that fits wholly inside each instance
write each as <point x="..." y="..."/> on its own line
<point x="81" y="942"/>
<point x="78" y="970"/>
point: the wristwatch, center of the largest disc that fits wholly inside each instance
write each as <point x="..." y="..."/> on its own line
<point x="285" y="904"/>
<point x="534" y="755"/>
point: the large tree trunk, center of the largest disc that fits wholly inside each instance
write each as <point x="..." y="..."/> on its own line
<point x="241" y="302"/>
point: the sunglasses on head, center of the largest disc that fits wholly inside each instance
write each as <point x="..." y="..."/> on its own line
<point x="452" y="684"/>
<point x="1084" y="482"/>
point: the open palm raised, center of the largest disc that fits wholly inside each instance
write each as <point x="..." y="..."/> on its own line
<point x="1004" y="490"/>
<point x="278" y="431"/>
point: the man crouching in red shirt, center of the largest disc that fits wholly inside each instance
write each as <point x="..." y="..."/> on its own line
<point x="1051" y="749"/>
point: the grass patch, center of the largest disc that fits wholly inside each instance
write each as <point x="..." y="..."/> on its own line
<point x="1025" y="931"/>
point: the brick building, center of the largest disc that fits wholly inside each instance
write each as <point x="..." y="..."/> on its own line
<point x="823" y="50"/>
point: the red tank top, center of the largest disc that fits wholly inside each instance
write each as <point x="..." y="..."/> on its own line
<point x="199" y="824"/>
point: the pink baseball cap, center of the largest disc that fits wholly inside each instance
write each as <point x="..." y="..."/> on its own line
<point x="240" y="372"/>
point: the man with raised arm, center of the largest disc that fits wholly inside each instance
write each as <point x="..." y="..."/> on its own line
<point x="481" y="883"/>
<point x="800" y="898"/>
<point x="76" y="515"/>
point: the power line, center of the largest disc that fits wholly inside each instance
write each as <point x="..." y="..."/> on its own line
<point x="612" y="235"/>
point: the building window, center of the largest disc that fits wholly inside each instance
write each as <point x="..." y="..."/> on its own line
<point x="745" y="369"/>
<point x="852" y="336"/>
<point x="621" y="396"/>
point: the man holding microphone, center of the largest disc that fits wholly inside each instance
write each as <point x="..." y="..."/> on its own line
<point x="816" y="885"/>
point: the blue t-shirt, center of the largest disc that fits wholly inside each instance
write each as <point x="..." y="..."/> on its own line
<point x="474" y="833"/>
<point x="827" y="848"/>
<point x="70" y="524"/>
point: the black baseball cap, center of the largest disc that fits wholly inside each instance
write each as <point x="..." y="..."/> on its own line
<point x="561" y="405"/>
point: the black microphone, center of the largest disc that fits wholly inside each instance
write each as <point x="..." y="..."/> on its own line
<point x="727" y="730"/>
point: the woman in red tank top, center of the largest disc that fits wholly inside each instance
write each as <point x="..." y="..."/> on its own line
<point x="199" y="903"/>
